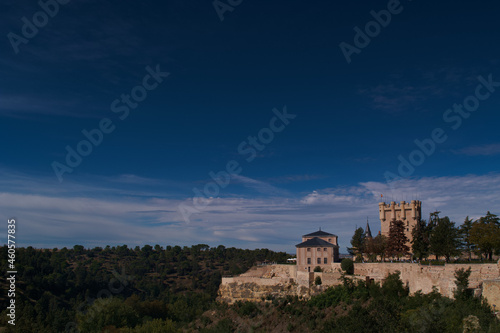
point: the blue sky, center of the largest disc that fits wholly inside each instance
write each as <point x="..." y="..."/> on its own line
<point x="351" y="120"/>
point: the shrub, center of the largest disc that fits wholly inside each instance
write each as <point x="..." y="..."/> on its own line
<point x="347" y="266"/>
<point x="247" y="309"/>
<point x="318" y="269"/>
<point x="317" y="281"/>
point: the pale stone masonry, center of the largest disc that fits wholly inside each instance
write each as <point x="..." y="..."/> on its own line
<point x="319" y="248"/>
<point x="282" y="280"/>
<point x="408" y="212"/>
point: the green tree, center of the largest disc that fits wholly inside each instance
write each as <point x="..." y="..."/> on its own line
<point x="420" y="240"/>
<point x="375" y="247"/>
<point x="155" y="326"/>
<point x="485" y="233"/>
<point x="444" y="239"/>
<point x="462" y="282"/>
<point x="396" y="243"/>
<point x="107" y="312"/>
<point x="357" y="242"/>
<point x="317" y="281"/>
<point x="465" y="234"/>
<point x="347" y="265"/>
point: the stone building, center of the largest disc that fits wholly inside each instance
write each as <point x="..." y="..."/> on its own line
<point x="408" y="212"/>
<point x="319" y="248"/>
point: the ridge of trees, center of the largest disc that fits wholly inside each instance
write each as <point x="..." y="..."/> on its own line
<point x="62" y="290"/>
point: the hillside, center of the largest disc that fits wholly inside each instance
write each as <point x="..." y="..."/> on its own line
<point x="56" y="287"/>
<point x="173" y="289"/>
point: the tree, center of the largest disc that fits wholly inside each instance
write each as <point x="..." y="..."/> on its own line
<point x="420" y="240"/>
<point x="396" y="244"/>
<point x="462" y="282"/>
<point x="347" y="266"/>
<point x="370" y="248"/>
<point x="375" y="247"/>
<point x="317" y="281"/>
<point x="357" y="242"/>
<point x="318" y="269"/>
<point x="485" y="233"/>
<point x="444" y="239"/>
<point x="107" y="312"/>
<point x="465" y="234"/>
<point x="156" y="326"/>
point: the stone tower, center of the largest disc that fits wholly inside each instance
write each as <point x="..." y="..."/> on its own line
<point x="408" y="212"/>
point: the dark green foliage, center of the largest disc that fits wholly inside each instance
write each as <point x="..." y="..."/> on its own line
<point x="376" y="247"/>
<point x="357" y="242"/>
<point x="465" y="234"/>
<point x="247" y="309"/>
<point x="347" y="266"/>
<point x="389" y="308"/>
<point x="462" y="281"/>
<point x="57" y="289"/>
<point x="444" y="239"/>
<point x="396" y="242"/>
<point x="485" y="234"/>
<point x="318" y="269"/>
<point x="420" y="240"/>
<point x="223" y="326"/>
<point x="317" y="281"/>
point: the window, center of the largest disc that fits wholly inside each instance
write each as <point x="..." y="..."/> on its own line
<point x="308" y="249"/>
<point x="308" y="261"/>
<point x="319" y="261"/>
<point x="324" y="249"/>
<point x="325" y="261"/>
<point x="319" y="249"/>
<point x="329" y="240"/>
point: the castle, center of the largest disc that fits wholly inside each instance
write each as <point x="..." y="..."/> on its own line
<point x="321" y="249"/>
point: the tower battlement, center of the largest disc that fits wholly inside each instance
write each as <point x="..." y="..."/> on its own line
<point x="408" y="212"/>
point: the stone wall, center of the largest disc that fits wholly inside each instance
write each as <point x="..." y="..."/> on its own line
<point x="262" y="281"/>
<point x="420" y="277"/>
<point x="282" y="280"/>
<point x="491" y="291"/>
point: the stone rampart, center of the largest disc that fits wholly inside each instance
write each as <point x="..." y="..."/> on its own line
<point x="424" y="278"/>
<point x="282" y="280"/>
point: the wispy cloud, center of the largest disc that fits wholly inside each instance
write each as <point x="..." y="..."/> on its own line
<point x="391" y="97"/>
<point x="101" y="213"/>
<point x="398" y="93"/>
<point x="295" y="178"/>
<point x="19" y="106"/>
<point x="481" y="150"/>
<point x="257" y="185"/>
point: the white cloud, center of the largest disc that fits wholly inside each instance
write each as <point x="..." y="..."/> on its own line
<point x="103" y="215"/>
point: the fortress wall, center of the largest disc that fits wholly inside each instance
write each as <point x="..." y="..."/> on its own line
<point x="259" y="282"/>
<point x="271" y="271"/>
<point x="282" y="280"/>
<point x="328" y="279"/>
<point x="418" y="277"/>
<point x="491" y="291"/>
<point x="303" y="278"/>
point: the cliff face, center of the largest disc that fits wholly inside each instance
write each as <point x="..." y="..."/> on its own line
<point x="281" y="280"/>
